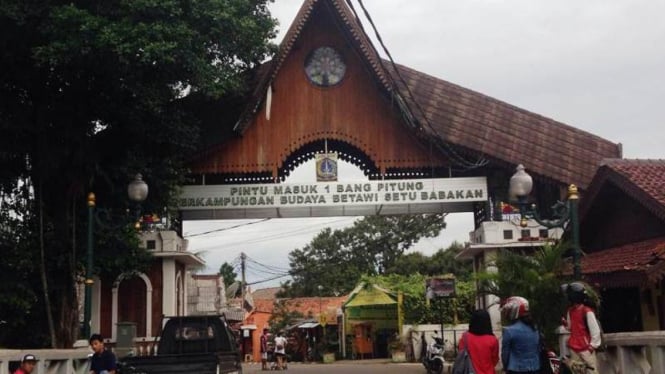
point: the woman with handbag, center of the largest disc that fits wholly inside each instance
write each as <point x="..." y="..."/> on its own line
<point x="520" y="342"/>
<point x="480" y="343"/>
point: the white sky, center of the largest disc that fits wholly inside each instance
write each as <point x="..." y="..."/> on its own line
<point x="598" y="65"/>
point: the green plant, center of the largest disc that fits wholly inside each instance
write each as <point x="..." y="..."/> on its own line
<point x="536" y="276"/>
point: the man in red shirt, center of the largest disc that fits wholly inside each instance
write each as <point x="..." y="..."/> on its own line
<point x="583" y="326"/>
<point x="27" y="364"/>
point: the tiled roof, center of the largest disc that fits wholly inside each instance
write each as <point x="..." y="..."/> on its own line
<point x="266" y="293"/>
<point x="503" y="132"/>
<point x="264" y="305"/>
<point x="307" y="306"/>
<point x="648" y="175"/>
<point x="643" y="180"/>
<point x="628" y="265"/>
<point x="460" y="120"/>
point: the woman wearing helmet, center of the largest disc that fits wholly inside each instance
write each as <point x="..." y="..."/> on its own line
<point x="520" y="343"/>
<point x="583" y="326"/>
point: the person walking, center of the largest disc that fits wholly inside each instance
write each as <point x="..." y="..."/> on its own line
<point x="280" y="351"/>
<point x="27" y="364"/>
<point x="520" y="342"/>
<point x="102" y="360"/>
<point x="264" y="349"/>
<point x="584" y="328"/>
<point x="480" y="343"/>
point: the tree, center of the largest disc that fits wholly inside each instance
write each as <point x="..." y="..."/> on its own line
<point x="94" y="92"/>
<point x="441" y="262"/>
<point x="283" y="315"/>
<point x="536" y="276"/>
<point x="337" y="259"/>
<point x="228" y="274"/>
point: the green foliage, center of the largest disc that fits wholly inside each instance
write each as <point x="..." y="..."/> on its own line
<point x="94" y="92"/>
<point x="21" y="308"/>
<point x="283" y="316"/>
<point x="337" y="259"/>
<point x="416" y="308"/>
<point x="441" y="262"/>
<point x="228" y="274"/>
<point x="535" y="276"/>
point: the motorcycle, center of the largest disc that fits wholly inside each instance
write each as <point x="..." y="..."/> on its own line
<point x="432" y="357"/>
<point x="554" y="362"/>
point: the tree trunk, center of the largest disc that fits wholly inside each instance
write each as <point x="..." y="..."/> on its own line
<point x="42" y="255"/>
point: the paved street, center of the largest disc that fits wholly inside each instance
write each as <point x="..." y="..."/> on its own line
<point x="363" y="367"/>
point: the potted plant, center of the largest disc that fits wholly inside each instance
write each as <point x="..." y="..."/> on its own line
<point x="397" y="349"/>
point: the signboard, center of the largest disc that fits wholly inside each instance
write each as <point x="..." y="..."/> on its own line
<point x="439" y="287"/>
<point x="326" y="167"/>
<point x="344" y="198"/>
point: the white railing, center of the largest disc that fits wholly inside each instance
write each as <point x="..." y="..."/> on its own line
<point x="51" y="361"/>
<point x="631" y="353"/>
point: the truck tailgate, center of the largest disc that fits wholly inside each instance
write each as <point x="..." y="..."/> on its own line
<point x="189" y="363"/>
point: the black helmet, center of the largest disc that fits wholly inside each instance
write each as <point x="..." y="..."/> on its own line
<point x="576" y="292"/>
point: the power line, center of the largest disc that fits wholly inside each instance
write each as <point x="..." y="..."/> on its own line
<point x="226" y="228"/>
<point x="267" y="266"/>
<point x="274" y="236"/>
<point x="267" y="280"/>
<point x="442" y="144"/>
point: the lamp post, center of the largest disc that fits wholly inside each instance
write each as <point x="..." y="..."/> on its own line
<point x="137" y="192"/>
<point x="565" y="213"/>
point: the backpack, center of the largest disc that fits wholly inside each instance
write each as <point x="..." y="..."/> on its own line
<point x="463" y="363"/>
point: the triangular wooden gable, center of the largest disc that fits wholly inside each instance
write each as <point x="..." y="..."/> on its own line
<point x="290" y="118"/>
<point x="391" y="121"/>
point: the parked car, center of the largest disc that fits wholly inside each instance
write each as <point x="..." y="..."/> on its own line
<point x="194" y="344"/>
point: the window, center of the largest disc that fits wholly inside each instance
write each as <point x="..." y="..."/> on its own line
<point x="526" y="233"/>
<point x="543" y="233"/>
<point x="507" y="234"/>
<point x="151" y="244"/>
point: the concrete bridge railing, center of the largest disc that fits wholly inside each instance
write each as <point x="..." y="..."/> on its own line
<point x="51" y="361"/>
<point x="629" y="352"/>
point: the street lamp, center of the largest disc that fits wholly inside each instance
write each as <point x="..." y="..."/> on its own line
<point x="565" y="213"/>
<point x="137" y="192"/>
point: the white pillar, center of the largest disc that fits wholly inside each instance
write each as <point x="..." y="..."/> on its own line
<point x="168" y="288"/>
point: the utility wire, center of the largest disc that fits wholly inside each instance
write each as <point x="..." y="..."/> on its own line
<point x="267" y="266"/>
<point x="266" y="280"/>
<point x="466" y="164"/>
<point x="226" y="228"/>
<point x="273" y="236"/>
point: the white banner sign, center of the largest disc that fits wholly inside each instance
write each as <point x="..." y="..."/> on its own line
<point x="334" y="194"/>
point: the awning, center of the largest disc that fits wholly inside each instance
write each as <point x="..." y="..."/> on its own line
<point x="308" y="325"/>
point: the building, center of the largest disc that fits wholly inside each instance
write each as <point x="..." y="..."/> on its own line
<point x="315" y="312"/>
<point x="491" y="237"/>
<point x="622" y="232"/>
<point x="142" y="299"/>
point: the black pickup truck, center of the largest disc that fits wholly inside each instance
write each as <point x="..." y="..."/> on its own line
<point x="194" y="344"/>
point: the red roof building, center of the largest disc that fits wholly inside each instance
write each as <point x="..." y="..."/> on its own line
<point x="622" y="223"/>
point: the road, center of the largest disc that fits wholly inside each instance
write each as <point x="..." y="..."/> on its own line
<point x="360" y="367"/>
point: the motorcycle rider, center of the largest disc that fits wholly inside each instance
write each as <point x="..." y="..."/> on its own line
<point x="583" y="326"/>
<point x="520" y="342"/>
